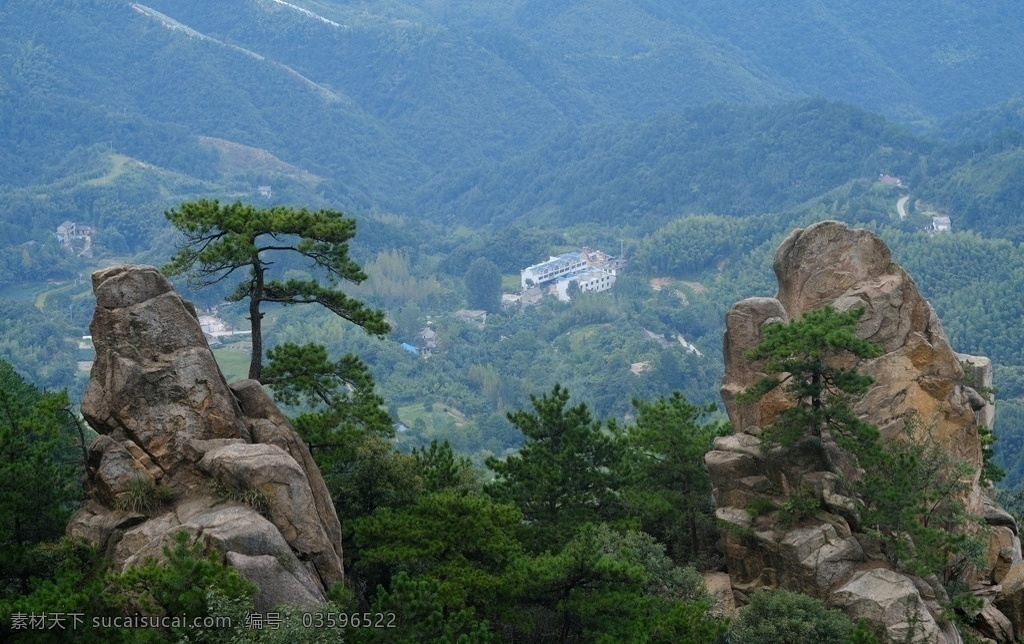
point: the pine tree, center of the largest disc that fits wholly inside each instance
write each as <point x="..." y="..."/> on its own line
<point x="803" y="357"/>
<point x="563" y="476"/>
<point x="344" y="390"/>
<point x="221" y="240"/>
<point x="668" y="485"/>
<point x="39" y="487"/>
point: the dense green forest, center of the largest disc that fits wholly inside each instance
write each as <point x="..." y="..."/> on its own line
<point x="432" y="550"/>
<point x="700" y="264"/>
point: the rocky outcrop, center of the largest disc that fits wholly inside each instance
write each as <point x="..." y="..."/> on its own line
<point x="919" y="386"/>
<point x="180" y="449"/>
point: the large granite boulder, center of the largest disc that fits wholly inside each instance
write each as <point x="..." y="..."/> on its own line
<point x="883" y="597"/>
<point x="919" y="376"/>
<point x="179" y="449"/>
<point x="919" y="386"/>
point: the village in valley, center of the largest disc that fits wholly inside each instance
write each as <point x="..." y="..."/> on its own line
<point x="586" y="270"/>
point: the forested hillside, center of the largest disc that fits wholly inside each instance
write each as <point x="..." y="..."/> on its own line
<point x="730" y="160"/>
<point x="458" y="131"/>
<point x="412" y="105"/>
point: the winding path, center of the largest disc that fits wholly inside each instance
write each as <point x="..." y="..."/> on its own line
<point x="901" y="206"/>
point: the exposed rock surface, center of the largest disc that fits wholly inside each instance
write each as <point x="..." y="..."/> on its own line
<point x="881" y="596"/>
<point x="723" y="604"/>
<point x="220" y="462"/>
<point x="919" y="381"/>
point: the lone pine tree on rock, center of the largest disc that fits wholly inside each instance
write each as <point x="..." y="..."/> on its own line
<point x="220" y="240"/>
<point x="806" y="357"/>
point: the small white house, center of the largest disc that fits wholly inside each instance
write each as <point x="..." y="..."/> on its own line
<point x="941" y="224"/>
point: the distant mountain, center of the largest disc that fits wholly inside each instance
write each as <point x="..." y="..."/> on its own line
<point x="470" y="111"/>
<point x="108" y="72"/>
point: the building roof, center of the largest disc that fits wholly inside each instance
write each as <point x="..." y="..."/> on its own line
<point x="554" y="262"/>
<point x="590" y="272"/>
<point x="471" y="314"/>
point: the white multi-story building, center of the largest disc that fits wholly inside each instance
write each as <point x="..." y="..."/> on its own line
<point x="591" y="270"/>
<point x="589" y="279"/>
<point x="551" y="270"/>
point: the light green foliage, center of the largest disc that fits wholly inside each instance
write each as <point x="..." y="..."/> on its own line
<point x="294" y="626"/>
<point x="783" y="616"/>
<point x="801" y="358"/>
<point x="37" y="342"/>
<point x="666" y="483"/>
<point x="252" y="497"/>
<point x="562" y="476"/>
<point x="220" y="240"/>
<point x="690" y="245"/>
<point x="991" y="473"/>
<point x="395" y="282"/>
<point x="143" y="495"/>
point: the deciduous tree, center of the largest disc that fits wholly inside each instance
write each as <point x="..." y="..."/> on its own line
<point x="483" y="283"/>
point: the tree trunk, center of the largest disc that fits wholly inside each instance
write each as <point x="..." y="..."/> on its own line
<point x="256" y="322"/>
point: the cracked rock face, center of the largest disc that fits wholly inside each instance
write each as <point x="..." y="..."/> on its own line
<point x="180" y="449"/>
<point x="919" y="382"/>
<point x="918" y="376"/>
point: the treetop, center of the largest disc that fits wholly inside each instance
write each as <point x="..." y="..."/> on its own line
<point x="818" y="334"/>
<point x="220" y="239"/>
